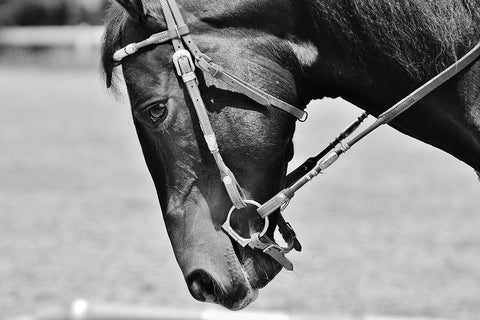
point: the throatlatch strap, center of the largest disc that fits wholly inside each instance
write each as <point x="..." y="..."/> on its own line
<point x="263" y="98"/>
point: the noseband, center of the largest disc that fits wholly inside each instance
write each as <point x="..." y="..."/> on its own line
<point x="187" y="56"/>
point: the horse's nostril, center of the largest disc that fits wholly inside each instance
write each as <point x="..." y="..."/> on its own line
<point x="195" y="288"/>
<point x="201" y="286"/>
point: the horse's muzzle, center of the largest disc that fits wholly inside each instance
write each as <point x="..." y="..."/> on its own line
<point x="205" y="288"/>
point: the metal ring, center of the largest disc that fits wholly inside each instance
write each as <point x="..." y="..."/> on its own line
<point x="235" y="236"/>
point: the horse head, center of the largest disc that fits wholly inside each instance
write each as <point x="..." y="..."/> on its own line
<point x="249" y="39"/>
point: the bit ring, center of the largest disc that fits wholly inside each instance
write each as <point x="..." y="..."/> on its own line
<point x="235" y="236"/>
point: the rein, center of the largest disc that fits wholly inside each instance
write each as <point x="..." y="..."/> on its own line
<point x="187" y="56"/>
<point x="318" y="164"/>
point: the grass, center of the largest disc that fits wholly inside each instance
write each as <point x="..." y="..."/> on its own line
<point x="390" y="229"/>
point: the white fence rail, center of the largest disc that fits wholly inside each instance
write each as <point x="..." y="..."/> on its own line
<point x="81" y="39"/>
<point x="83" y="310"/>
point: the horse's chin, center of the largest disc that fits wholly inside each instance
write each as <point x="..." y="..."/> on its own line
<point x="253" y="279"/>
<point x="237" y="299"/>
<point x="258" y="268"/>
<point x="254" y="270"/>
<point x="257" y="276"/>
<point x="245" y="302"/>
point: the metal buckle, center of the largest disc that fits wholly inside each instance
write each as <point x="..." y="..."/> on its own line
<point x="179" y="54"/>
<point x="235" y="236"/>
<point x="202" y="55"/>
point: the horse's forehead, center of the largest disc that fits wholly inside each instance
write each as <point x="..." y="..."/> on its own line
<point x="150" y="69"/>
<point x="155" y="68"/>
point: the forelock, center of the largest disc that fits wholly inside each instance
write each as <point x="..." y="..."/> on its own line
<point x="116" y="18"/>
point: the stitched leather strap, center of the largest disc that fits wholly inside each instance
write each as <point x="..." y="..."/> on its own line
<point x="228" y="179"/>
<point x="263" y="98"/>
<point x="172" y="25"/>
<point x="156" y="38"/>
<point x="185" y="69"/>
<point x="207" y="65"/>
<point x="283" y="197"/>
<point x="178" y="33"/>
<point x="178" y="30"/>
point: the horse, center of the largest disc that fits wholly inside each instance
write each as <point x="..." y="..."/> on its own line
<point x="368" y="52"/>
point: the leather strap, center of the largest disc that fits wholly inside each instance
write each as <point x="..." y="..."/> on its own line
<point x="283" y="197"/>
<point x="288" y="234"/>
<point x="261" y="97"/>
<point x="156" y="38"/>
<point x="185" y="68"/>
<point x="231" y="185"/>
<point x="172" y="25"/>
<point x="310" y="163"/>
<point x="263" y="243"/>
<point x="179" y="34"/>
<point x="274" y="250"/>
<point x="207" y="65"/>
<point x="178" y="30"/>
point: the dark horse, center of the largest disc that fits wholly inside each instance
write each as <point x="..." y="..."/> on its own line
<point x="369" y="52"/>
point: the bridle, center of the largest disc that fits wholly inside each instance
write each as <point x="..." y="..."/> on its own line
<point x="187" y="56"/>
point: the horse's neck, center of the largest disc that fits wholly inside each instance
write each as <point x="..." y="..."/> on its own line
<point x="448" y="119"/>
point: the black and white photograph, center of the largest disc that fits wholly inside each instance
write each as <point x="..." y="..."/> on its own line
<point x="240" y="159"/>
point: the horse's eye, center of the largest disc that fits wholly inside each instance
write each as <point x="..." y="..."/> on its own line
<point x="157" y="112"/>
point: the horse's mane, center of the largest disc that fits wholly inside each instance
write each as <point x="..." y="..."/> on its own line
<point x="421" y="36"/>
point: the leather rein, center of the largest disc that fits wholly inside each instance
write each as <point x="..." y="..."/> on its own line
<point x="187" y="56"/>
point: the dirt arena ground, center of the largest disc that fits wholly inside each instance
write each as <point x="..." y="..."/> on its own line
<point x="393" y="228"/>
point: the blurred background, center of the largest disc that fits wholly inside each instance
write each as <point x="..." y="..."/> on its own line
<point x="51" y="12"/>
<point x="392" y="229"/>
<point x="61" y="31"/>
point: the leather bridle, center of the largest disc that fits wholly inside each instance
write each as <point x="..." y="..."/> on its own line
<point x="187" y="56"/>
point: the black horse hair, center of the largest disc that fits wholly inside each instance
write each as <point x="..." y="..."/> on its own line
<point x="421" y="36"/>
